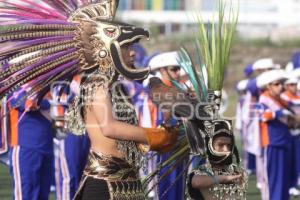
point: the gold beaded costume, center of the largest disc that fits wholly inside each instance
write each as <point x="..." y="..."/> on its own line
<point x="219" y="191"/>
<point x="120" y="174"/>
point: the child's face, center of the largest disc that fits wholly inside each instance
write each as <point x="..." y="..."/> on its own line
<point x="222" y="144"/>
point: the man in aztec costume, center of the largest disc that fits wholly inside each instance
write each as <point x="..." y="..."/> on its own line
<point x="56" y="40"/>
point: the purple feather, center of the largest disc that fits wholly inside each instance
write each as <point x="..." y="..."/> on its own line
<point x="8" y="17"/>
<point x="5" y="66"/>
<point x="34" y="21"/>
<point x="45" y="60"/>
<point x="55" y="71"/>
<point x="47" y="39"/>
<point x="74" y="2"/>
<point x="4" y="47"/>
<point x="42" y="40"/>
<point x="40" y="78"/>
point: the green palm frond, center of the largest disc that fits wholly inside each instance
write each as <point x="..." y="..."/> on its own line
<point x="201" y="69"/>
<point x="215" y="44"/>
<point x="177" y="85"/>
<point x="195" y="76"/>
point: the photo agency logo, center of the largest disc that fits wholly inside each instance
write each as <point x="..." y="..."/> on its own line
<point x="115" y="101"/>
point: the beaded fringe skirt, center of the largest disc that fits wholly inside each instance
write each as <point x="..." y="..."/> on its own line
<point x="122" y="179"/>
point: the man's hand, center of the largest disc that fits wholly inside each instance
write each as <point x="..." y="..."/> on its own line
<point x="161" y="139"/>
<point x="230" y="179"/>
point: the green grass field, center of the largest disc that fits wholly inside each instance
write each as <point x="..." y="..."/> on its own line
<point x="6" y="186"/>
<point x="5" y="183"/>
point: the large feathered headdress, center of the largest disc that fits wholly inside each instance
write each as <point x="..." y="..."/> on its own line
<point x="53" y="40"/>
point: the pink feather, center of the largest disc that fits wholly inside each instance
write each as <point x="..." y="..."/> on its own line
<point x="21" y="14"/>
<point x="50" y="11"/>
<point x="30" y="10"/>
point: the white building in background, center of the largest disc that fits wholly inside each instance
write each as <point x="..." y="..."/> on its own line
<point x="257" y="18"/>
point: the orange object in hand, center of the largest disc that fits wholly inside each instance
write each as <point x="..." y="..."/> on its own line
<point x="161" y="139"/>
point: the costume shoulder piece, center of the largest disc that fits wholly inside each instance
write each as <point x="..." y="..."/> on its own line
<point x="42" y="43"/>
